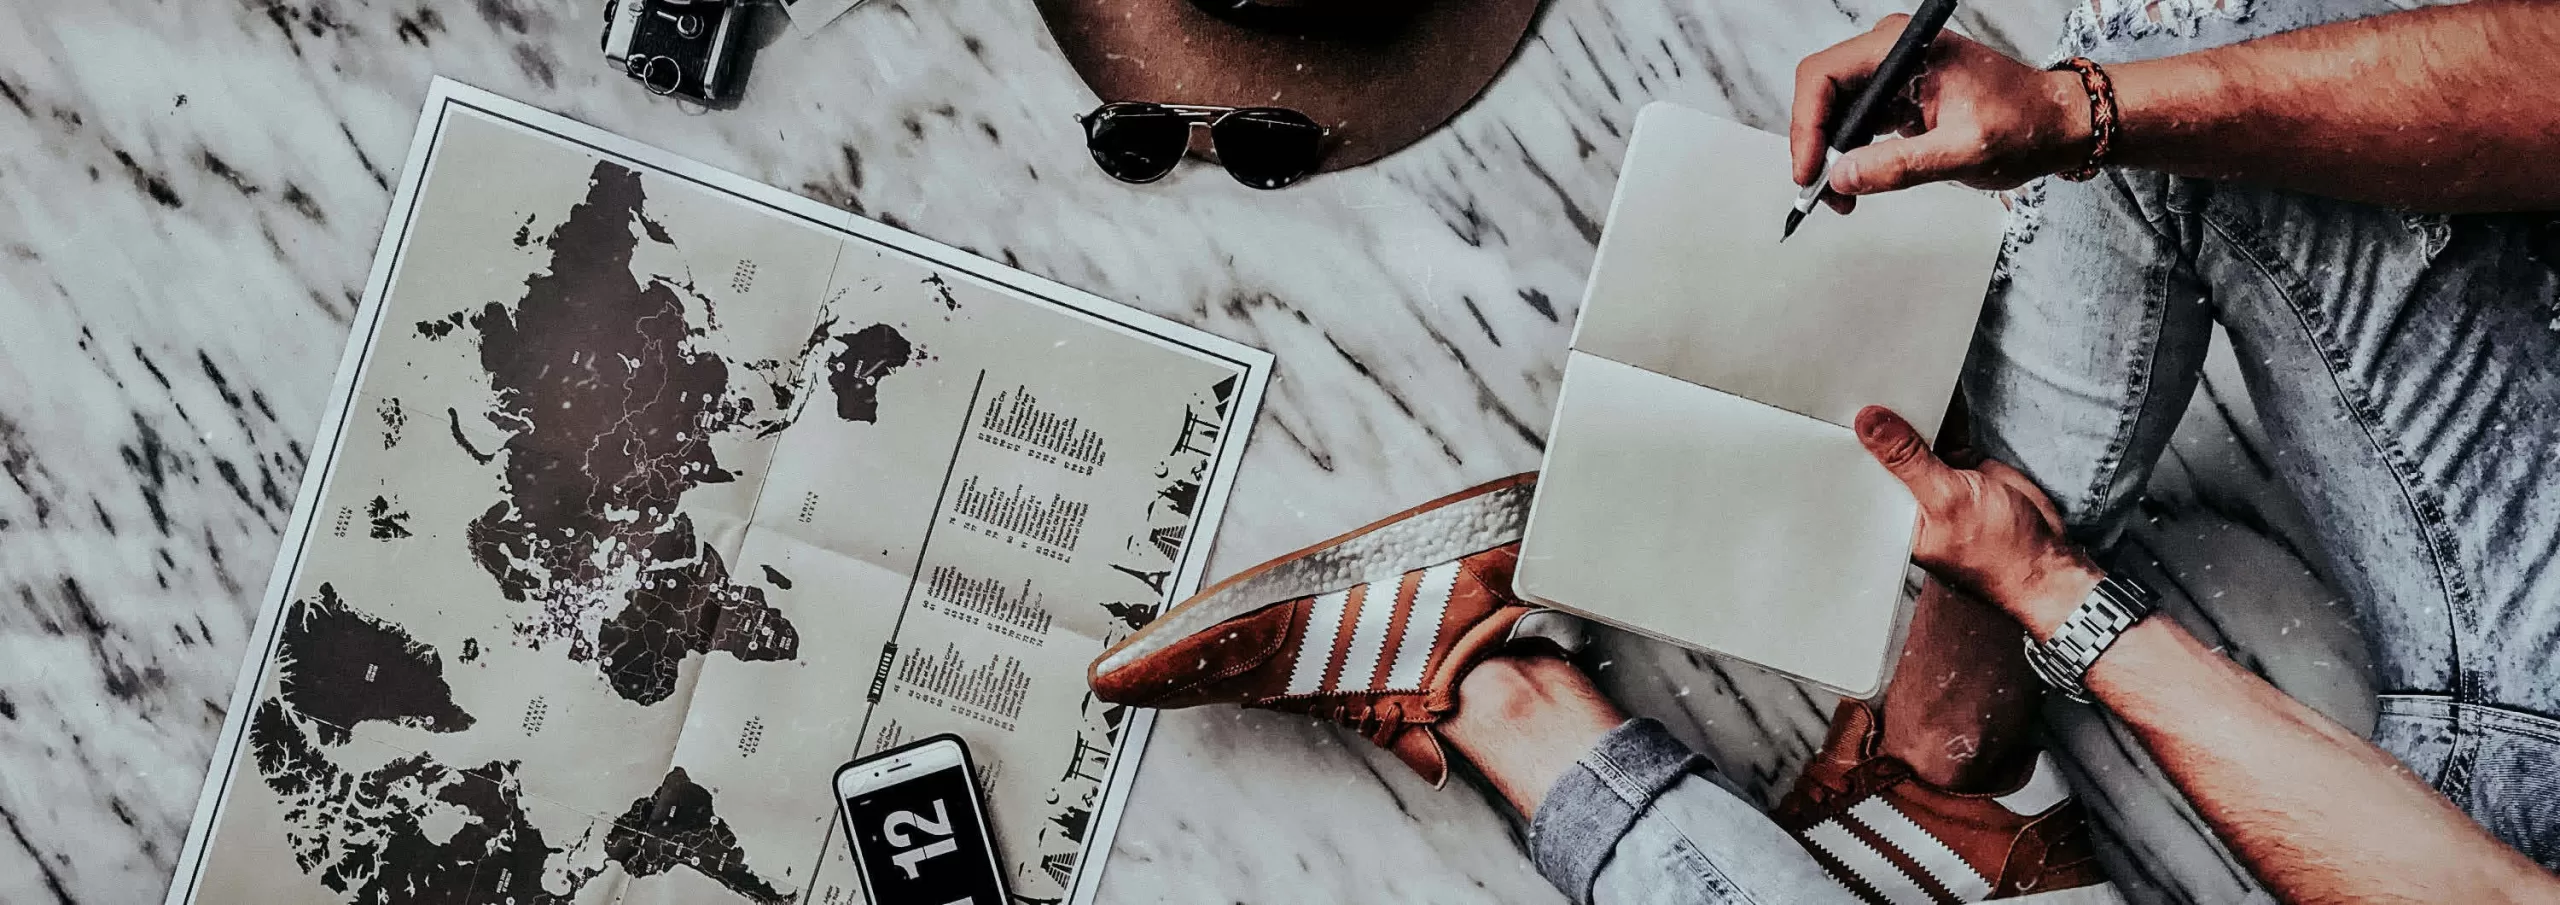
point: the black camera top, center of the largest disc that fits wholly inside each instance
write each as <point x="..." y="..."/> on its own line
<point x="684" y="48"/>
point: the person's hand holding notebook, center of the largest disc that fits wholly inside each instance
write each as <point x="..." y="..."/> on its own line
<point x="1702" y="481"/>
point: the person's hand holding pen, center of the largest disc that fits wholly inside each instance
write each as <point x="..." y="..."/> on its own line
<point x="1972" y="116"/>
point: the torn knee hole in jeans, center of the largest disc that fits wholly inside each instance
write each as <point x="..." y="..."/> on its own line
<point x="2094" y="23"/>
<point x="2026" y="212"/>
<point x="2434" y="229"/>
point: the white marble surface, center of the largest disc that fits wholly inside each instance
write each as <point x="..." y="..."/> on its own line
<point x="193" y="191"/>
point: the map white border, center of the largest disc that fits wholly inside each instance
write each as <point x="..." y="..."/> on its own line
<point x="444" y="96"/>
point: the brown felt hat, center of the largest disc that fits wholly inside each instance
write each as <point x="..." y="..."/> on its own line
<point x="1379" y="73"/>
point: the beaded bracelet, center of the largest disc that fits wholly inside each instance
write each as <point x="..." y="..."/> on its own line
<point x="2102" y="115"/>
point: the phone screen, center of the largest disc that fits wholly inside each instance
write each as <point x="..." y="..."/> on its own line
<point x="921" y="842"/>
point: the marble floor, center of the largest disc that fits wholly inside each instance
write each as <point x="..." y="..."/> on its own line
<point x="194" y="190"/>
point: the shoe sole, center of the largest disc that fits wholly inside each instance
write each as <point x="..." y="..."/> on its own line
<point x="1461" y="524"/>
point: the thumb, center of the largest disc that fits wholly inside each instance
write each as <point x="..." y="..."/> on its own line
<point x="1900" y="163"/>
<point x="1897" y="445"/>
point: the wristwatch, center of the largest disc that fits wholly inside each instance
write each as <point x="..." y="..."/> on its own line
<point x="2114" y="606"/>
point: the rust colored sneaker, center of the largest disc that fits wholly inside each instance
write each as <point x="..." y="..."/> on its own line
<point x="1371" y="629"/>
<point x="1895" y="840"/>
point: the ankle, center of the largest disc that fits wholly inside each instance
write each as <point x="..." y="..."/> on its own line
<point x="1950" y="769"/>
<point x="1507" y="689"/>
<point x="1962" y="706"/>
<point x="1968" y="754"/>
<point x="1524" y="719"/>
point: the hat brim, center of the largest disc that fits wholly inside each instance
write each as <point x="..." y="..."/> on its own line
<point x="1376" y="93"/>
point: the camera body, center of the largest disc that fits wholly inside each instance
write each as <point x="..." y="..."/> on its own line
<point x="683" y="48"/>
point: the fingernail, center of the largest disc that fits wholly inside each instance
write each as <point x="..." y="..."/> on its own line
<point x="1871" y="423"/>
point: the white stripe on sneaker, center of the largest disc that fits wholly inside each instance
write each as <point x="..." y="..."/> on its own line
<point x="1369" y="636"/>
<point x="1923" y="848"/>
<point x="1868" y="865"/>
<point x="1315" y="651"/>
<point x="1422" y="626"/>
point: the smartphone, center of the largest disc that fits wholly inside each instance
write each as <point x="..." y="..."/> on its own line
<point x="918" y="827"/>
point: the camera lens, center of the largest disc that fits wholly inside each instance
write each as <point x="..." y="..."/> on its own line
<point x="687" y="25"/>
<point x="660" y="72"/>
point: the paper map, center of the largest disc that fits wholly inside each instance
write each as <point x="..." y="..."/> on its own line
<point x="650" y="496"/>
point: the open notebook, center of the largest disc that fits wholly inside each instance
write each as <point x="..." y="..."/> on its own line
<point x="1702" y="483"/>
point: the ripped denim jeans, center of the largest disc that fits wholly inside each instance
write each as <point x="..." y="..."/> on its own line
<point x="2407" y="368"/>
<point x="2408" y="371"/>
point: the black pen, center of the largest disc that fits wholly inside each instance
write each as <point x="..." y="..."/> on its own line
<point x="1857" y="126"/>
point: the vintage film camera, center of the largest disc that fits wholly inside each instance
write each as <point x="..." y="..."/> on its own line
<point x="685" y="48"/>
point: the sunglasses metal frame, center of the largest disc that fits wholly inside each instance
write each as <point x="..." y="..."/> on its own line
<point x="1196" y="116"/>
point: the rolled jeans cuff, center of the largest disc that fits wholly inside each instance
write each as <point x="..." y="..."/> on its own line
<point x="1592" y="805"/>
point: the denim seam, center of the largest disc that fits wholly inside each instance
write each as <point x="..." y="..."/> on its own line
<point x="2137" y="366"/>
<point x="1615" y="777"/>
<point x="1599" y="801"/>
<point x="2482" y="716"/>
<point x="2412" y="705"/>
<point x="2513" y="724"/>
<point x="1576" y="813"/>
<point x="2456" y="592"/>
<point x="2421" y="506"/>
<point x="1642" y="792"/>
<point x="2432" y="711"/>
<point x="1694" y="854"/>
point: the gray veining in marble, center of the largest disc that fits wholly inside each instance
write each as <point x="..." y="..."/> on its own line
<point x="193" y="192"/>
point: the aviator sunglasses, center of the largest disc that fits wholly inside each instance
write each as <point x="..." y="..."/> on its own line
<point x="1262" y="147"/>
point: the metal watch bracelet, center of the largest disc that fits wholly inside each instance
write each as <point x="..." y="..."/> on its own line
<point x="2112" y="607"/>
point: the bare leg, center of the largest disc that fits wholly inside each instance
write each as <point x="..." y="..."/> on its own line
<point x="1962" y="703"/>
<point x="1526" y="719"/>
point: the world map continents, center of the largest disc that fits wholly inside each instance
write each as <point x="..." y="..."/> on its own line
<point x="610" y="406"/>
<point x="632" y="473"/>
<point x="417" y="830"/>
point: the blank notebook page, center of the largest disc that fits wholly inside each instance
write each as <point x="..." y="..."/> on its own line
<point x="1875" y="308"/>
<point x="1701" y="481"/>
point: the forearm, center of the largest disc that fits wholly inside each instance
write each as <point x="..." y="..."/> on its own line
<point x="2320" y="815"/>
<point x="2443" y="108"/>
<point x="2317" y="813"/>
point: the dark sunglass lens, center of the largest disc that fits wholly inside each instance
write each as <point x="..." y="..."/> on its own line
<point x="1136" y="142"/>
<point x="1268" y="148"/>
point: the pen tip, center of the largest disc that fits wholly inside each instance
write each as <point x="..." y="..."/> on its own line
<point x="1793" y="218"/>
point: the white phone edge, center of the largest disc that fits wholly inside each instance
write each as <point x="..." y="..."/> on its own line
<point x="938" y="752"/>
<point x="865" y="775"/>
